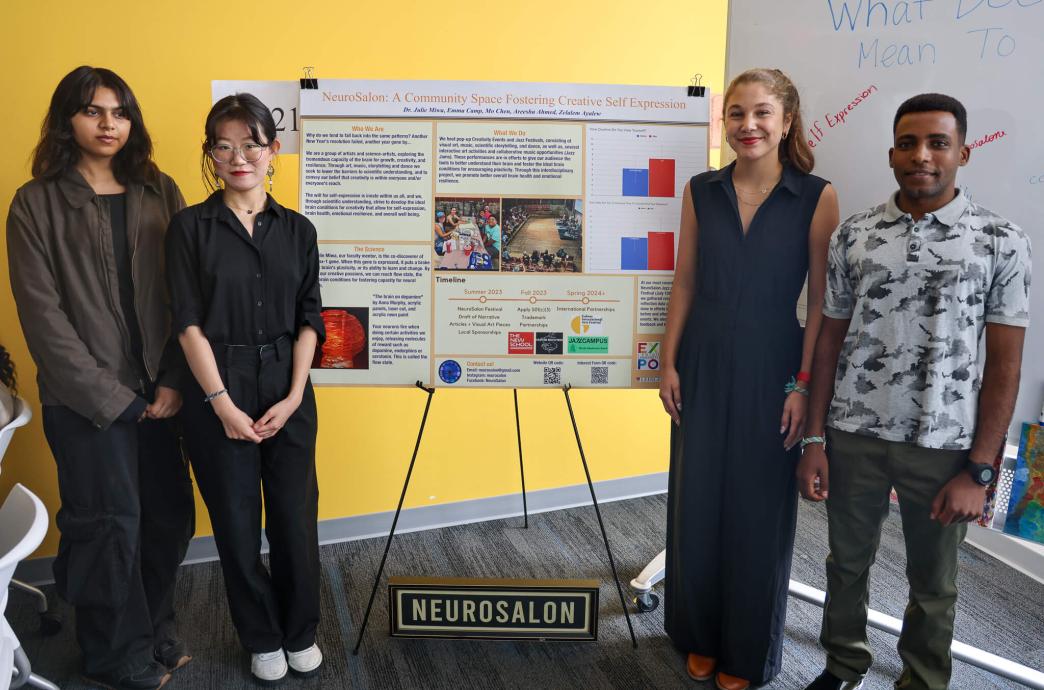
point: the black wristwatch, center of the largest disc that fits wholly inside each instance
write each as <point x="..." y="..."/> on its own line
<point x="982" y="473"/>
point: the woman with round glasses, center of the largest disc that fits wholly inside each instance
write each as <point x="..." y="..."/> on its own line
<point x="244" y="284"/>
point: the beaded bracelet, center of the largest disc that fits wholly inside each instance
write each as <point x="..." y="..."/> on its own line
<point x="213" y="396"/>
<point x="809" y="440"/>
<point x="794" y="387"/>
<point x="804" y="377"/>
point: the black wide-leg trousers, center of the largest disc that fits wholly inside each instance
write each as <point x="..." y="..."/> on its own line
<point x="126" y="519"/>
<point x="279" y="606"/>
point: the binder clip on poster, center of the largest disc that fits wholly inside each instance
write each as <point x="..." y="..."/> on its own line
<point x="696" y="90"/>
<point x="309" y="81"/>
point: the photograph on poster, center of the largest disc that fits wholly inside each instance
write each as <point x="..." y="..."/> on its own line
<point x="347" y="339"/>
<point x="543" y="235"/>
<point x="466" y="234"/>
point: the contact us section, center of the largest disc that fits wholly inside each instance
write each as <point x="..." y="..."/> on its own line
<point x="517" y="372"/>
<point x="552" y="319"/>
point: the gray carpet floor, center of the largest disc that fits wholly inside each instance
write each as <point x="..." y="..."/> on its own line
<point x="1000" y="611"/>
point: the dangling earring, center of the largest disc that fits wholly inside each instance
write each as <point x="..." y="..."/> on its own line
<point x="271" y="173"/>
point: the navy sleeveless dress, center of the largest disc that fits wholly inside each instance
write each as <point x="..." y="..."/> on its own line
<point x="732" y="498"/>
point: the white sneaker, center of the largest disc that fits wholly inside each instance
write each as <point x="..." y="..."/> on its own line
<point x="268" y="667"/>
<point x="306" y="662"/>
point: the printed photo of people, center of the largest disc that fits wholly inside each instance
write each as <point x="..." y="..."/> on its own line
<point x="466" y="234"/>
<point x="542" y="235"/>
<point x="347" y="339"/>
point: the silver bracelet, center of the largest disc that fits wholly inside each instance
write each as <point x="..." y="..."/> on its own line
<point x="213" y="396"/>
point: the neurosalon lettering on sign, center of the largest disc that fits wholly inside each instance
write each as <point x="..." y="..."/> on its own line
<point x="494" y="609"/>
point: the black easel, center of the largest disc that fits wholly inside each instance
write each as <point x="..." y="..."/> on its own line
<point x="521" y="468"/>
<point x="518" y="430"/>
<point x="598" y="513"/>
<point x="395" y="521"/>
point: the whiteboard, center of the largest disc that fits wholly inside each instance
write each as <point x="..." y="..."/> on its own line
<point x="855" y="61"/>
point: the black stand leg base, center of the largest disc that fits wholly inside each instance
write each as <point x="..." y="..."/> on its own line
<point x="521" y="467"/>
<point x="395" y="521"/>
<point x="601" y="525"/>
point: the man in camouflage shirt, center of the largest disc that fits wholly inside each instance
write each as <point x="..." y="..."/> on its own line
<point x="921" y="401"/>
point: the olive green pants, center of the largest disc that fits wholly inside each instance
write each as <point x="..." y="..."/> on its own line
<point x="863" y="471"/>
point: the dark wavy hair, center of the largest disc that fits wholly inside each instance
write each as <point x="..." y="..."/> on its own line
<point x="7" y="370"/>
<point x="243" y="107"/>
<point x="58" y="151"/>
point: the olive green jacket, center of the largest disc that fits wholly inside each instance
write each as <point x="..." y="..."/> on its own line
<point x="65" y="283"/>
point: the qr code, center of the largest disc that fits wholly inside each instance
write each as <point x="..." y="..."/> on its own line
<point x="599" y="375"/>
<point x="552" y="376"/>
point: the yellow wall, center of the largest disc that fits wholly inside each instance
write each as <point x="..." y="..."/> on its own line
<point x="169" y="51"/>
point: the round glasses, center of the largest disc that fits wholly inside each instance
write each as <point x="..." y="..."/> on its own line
<point x="223" y="153"/>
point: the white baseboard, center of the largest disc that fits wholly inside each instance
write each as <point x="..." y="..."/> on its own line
<point x="202" y="549"/>
<point x="1024" y="556"/>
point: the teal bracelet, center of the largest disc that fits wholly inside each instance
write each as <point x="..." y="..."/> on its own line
<point x="793" y="386"/>
<point x="809" y="440"/>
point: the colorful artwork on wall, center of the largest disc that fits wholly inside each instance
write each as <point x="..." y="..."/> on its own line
<point x="1026" y="506"/>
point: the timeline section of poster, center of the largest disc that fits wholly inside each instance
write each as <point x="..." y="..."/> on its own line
<point x="513" y="315"/>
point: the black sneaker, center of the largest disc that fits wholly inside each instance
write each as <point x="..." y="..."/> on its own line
<point x="172" y="653"/>
<point x="828" y="681"/>
<point x="152" y="677"/>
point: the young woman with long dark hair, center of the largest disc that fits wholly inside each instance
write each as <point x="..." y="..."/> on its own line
<point x="735" y="382"/>
<point x="85" y="245"/>
<point x="244" y="283"/>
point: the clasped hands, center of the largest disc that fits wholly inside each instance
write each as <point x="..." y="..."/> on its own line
<point x="240" y="427"/>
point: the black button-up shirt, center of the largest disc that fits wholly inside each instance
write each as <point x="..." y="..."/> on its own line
<point x="242" y="290"/>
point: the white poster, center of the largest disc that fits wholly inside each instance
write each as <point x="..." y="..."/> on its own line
<point x="523" y="242"/>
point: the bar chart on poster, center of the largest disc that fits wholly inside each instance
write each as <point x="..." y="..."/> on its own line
<point x="634" y="194"/>
<point x="496" y="234"/>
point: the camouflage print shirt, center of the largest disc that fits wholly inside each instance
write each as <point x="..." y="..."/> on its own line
<point x="919" y="295"/>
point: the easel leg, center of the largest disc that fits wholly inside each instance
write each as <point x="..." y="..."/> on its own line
<point x="598" y="513"/>
<point x="395" y="521"/>
<point x="521" y="467"/>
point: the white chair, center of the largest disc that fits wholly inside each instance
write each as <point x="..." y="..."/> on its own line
<point x="22" y="416"/>
<point x="50" y="622"/>
<point x="23" y="524"/>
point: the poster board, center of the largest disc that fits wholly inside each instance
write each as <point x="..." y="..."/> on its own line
<point x="855" y="61"/>
<point x="281" y="97"/>
<point x="569" y="281"/>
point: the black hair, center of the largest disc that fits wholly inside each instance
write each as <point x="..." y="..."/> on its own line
<point x="246" y="108"/>
<point x="7" y="370"/>
<point x="57" y="150"/>
<point x="931" y="102"/>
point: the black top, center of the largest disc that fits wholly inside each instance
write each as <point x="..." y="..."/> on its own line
<point x="242" y="290"/>
<point x="121" y="250"/>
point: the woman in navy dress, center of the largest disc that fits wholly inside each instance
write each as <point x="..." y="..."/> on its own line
<point x="750" y="234"/>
